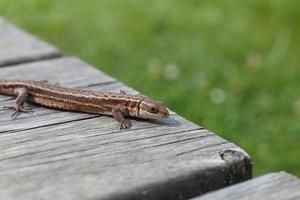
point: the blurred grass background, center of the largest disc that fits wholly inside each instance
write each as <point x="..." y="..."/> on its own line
<point x="230" y="66"/>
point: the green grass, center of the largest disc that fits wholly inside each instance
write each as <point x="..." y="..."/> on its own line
<point x="230" y="66"/>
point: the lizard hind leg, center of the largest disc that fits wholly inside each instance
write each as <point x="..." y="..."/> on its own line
<point x="20" y="102"/>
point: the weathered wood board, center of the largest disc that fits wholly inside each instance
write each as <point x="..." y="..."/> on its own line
<point x="280" y="185"/>
<point x="17" y="46"/>
<point x="68" y="155"/>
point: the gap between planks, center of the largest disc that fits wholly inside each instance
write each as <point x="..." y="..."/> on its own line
<point x="30" y="60"/>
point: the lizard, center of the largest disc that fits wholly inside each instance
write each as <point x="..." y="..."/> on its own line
<point x="118" y="105"/>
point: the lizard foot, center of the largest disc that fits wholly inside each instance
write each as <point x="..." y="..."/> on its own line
<point x="125" y="125"/>
<point x="18" y="110"/>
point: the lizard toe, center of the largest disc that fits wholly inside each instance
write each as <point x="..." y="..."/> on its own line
<point x="125" y="125"/>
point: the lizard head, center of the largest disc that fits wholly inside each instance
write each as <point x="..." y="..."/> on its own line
<point x="150" y="109"/>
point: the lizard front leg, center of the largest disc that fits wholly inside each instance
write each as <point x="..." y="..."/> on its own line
<point x="118" y="114"/>
<point x="20" y="100"/>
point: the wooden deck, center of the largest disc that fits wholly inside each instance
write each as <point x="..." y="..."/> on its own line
<point x="280" y="185"/>
<point x="17" y="46"/>
<point x="67" y="155"/>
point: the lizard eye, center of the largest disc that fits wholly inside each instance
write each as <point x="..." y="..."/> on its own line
<point x="153" y="110"/>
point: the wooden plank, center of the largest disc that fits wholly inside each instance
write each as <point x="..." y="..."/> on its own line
<point x="67" y="71"/>
<point x="280" y="185"/>
<point x="67" y="155"/>
<point x="17" y="46"/>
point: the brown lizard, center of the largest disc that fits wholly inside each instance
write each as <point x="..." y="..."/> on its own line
<point x="118" y="105"/>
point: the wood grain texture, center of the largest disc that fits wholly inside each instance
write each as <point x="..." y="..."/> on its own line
<point x="67" y="71"/>
<point x="280" y="185"/>
<point x="68" y="155"/>
<point x="17" y="46"/>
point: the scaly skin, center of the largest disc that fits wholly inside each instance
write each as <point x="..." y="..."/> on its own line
<point x="118" y="105"/>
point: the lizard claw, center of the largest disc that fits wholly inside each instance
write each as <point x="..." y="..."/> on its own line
<point x="8" y="108"/>
<point x="125" y="125"/>
<point x="26" y="109"/>
<point x="18" y="110"/>
<point x="15" y="115"/>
